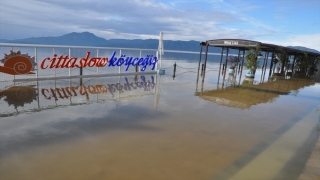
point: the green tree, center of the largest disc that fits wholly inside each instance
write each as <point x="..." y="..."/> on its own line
<point x="283" y="58"/>
<point x="252" y="62"/>
<point x="303" y="61"/>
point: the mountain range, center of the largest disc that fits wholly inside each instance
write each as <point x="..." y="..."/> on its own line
<point x="89" y="39"/>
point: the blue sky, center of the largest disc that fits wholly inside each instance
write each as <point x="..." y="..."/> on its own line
<point x="282" y="22"/>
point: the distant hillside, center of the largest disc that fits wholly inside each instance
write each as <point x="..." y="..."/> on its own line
<point x="3" y="40"/>
<point x="89" y="39"/>
<point x="304" y="49"/>
<point x="85" y="38"/>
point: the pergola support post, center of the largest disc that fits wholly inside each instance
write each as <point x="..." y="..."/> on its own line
<point x="224" y="75"/>
<point x="284" y="63"/>
<point x="205" y="63"/>
<point x="293" y="62"/>
<point x="240" y="70"/>
<point x="220" y="65"/>
<point x="221" y="59"/>
<point x="271" y="64"/>
<point x="237" y="62"/>
<point x="244" y="51"/>
<point x="199" y="62"/>
<point x="226" y="62"/>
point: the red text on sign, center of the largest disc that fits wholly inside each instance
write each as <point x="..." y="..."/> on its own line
<point x="66" y="62"/>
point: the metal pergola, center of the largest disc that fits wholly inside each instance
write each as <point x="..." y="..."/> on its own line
<point x="242" y="45"/>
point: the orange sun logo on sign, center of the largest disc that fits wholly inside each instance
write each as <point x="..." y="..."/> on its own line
<point x="16" y="63"/>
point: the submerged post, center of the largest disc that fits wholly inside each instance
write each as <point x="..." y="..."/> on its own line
<point x="271" y="64"/>
<point x="221" y="60"/>
<point x="242" y="64"/>
<point x="220" y="67"/>
<point x="227" y="58"/>
<point x="257" y="52"/>
<point x="225" y="69"/>
<point x="202" y="68"/>
<point x="205" y="63"/>
<point x="174" y="70"/>
<point x="199" y="61"/>
<point x="238" y="62"/>
<point x="265" y="67"/>
<point x="294" y="60"/>
<point x="284" y="63"/>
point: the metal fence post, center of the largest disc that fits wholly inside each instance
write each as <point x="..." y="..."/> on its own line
<point x="157" y="54"/>
<point x="137" y="66"/>
<point x="69" y="62"/>
<point x="14" y="76"/>
<point x="120" y="66"/>
<point x="97" y="56"/>
<point x="55" y="72"/>
<point x="36" y="59"/>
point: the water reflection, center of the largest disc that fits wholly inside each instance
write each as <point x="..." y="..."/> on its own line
<point x="18" y="96"/>
<point x="233" y="92"/>
<point x="63" y="93"/>
<point x="108" y="128"/>
<point x="73" y="91"/>
<point x="97" y="105"/>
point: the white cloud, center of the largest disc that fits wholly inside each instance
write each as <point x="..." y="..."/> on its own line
<point x="117" y="19"/>
<point x="307" y="40"/>
<point x="140" y="19"/>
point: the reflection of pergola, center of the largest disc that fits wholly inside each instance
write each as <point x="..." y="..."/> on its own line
<point x="248" y="94"/>
<point x="243" y="45"/>
<point x="236" y="98"/>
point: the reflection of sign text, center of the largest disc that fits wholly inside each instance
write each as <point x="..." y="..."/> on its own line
<point x="72" y="91"/>
<point x="19" y="95"/>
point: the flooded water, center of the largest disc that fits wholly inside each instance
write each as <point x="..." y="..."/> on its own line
<point x="159" y="127"/>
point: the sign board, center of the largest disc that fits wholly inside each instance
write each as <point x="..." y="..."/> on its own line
<point x="16" y="63"/>
<point x="229" y="42"/>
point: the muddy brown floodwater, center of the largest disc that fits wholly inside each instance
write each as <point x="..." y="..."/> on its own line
<point x="160" y="128"/>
